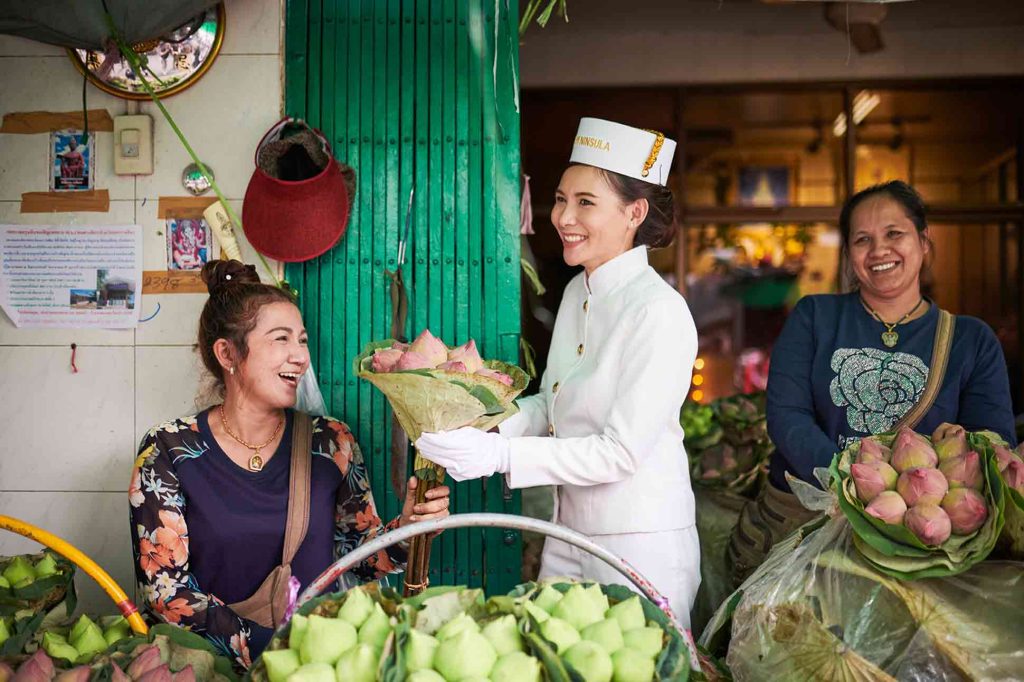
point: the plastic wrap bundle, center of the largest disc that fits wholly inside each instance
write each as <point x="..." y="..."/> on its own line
<point x="816" y="609"/>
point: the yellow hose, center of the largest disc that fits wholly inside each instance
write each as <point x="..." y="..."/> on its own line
<point x="74" y="555"/>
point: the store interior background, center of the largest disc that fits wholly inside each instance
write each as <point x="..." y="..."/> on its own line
<point x="70" y="439"/>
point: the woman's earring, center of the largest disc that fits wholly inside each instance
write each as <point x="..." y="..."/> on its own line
<point x="231" y="371"/>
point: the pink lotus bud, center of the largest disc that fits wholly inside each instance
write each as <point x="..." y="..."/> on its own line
<point x="911" y="450"/>
<point x="1004" y="456"/>
<point x="77" y="674"/>
<point x="921" y="485"/>
<point x="385" y="359"/>
<point x="468" y="355"/>
<point x="964" y="471"/>
<point x="398" y="345"/>
<point x="888" y="506"/>
<point x="871" y="478"/>
<point x="6" y="672"/>
<point x="430" y="347"/>
<point x="871" y="449"/>
<point x="412" y="360"/>
<point x="161" y="673"/>
<point x="950" y="442"/>
<point x="38" y="668"/>
<point x="186" y="674"/>
<point x="118" y="675"/>
<point x="966" y="509"/>
<point x="144" y="661"/>
<point x="451" y="366"/>
<point x="708" y="474"/>
<point x="494" y="374"/>
<point x="1014" y="476"/>
<point x="929" y="523"/>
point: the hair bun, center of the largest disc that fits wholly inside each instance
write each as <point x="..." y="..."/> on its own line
<point x="220" y="274"/>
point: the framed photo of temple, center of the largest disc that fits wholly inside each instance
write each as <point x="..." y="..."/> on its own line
<point x="770" y="184"/>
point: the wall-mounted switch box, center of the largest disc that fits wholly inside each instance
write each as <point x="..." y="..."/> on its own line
<point x="133" y="145"/>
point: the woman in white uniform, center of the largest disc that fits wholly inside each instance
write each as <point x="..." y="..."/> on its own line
<point x="604" y="427"/>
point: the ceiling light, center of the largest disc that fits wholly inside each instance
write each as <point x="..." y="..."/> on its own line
<point x="863" y="104"/>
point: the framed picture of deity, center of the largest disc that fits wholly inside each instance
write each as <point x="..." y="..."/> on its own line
<point x="770" y="184"/>
<point x="170" y="63"/>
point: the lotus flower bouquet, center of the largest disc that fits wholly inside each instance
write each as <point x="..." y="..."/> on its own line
<point x="921" y="507"/>
<point x="738" y="455"/>
<point x="1011" y="471"/>
<point x="451" y="634"/>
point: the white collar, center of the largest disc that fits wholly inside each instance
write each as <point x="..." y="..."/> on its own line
<point x="610" y="275"/>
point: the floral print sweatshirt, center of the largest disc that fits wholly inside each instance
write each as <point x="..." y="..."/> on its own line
<point x="206" y="532"/>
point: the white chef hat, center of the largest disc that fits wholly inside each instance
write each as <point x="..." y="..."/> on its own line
<point x="642" y="154"/>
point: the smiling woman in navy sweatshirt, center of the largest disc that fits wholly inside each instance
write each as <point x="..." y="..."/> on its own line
<point x="851" y="365"/>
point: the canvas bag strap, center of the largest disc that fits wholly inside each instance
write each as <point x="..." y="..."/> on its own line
<point x="936" y="373"/>
<point x="299" y="483"/>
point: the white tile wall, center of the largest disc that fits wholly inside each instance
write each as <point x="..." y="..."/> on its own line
<point x="76" y="434"/>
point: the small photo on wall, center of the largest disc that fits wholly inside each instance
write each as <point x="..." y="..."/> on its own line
<point x="188" y="243"/>
<point x="72" y="161"/>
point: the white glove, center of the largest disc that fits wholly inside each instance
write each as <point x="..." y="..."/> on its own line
<point x="466" y="453"/>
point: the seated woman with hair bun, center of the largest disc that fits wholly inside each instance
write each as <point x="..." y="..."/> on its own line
<point x="227" y="504"/>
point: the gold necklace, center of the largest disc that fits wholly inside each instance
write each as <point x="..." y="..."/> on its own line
<point x="255" y="462"/>
<point x="890" y="337"/>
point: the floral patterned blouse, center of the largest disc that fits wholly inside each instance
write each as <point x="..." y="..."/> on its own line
<point x="206" y="532"/>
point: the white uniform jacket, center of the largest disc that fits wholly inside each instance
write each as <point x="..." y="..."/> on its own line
<point x="605" y="424"/>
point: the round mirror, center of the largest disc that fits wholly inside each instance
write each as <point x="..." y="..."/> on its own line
<point x="173" y="62"/>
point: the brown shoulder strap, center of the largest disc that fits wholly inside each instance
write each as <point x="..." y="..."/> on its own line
<point x="936" y="373"/>
<point x="299" y="482"/>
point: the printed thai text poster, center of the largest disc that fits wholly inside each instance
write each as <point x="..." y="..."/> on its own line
<point x="53" y="276"/>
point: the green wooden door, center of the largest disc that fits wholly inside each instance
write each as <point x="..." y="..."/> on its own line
<point x="420" y="91"/>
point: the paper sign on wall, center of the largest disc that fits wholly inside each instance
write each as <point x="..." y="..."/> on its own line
<point x="54" y="276"/>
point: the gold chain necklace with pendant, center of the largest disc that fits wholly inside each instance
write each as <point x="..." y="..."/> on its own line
<point x="890" y="337"/>
<point x="256" y="461"/>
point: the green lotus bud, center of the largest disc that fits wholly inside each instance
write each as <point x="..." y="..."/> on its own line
<point x="516" y="667"/>
<point x="297" y="631"/>
<point x="929" y="523"/>
<point x="964" y="471"/>
<point x="326" y="639"/>
<point x="966" y="509"/>
<point x="559" y="633"/>
<point x="629" y="613"/>
<point x="4" y="632"/>
<point x="314" y="672"/>
<point x="116" y="630"/>
<point x="430" y="347"/>
<point x="423" y="676"/>
<point x="457" y="625"/>
<point x="358" y="664"/>
<point x="89" y="641"/>
<point x="4" y="583"/>
<point x="911" y="450"/>
<point x="646" y="640"/>
<point x="547" y="598"/>
<point x="79" y="627"/>
<point x="950" y="441"/>
<point x="629" y="665"/>
<point x="46" y="566"/>
<point x="467" y="654"/>
<point x="607" y="633"/>
<point x="376" y="629"/>
<point x="357" y="607"/>
<point x="598" y="597"/>
<point x="590" y="661"/>
<point x="280" y="664"/>
<point x="922" y="485"/>
<point x="18" y="570"/>
<point x="58" y="647"/>
<point x="539" y="614"/>
<point x="578" y="608"/>
<point x="503" y="634"/>
<point x="419" y="650"/>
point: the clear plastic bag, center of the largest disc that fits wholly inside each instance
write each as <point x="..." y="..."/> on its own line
<point x="819" y="611"/>
<point x="309" y="399"/>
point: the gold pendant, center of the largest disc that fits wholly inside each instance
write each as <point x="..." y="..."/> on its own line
<point x="256" y="462"/>
<point x="890" y="338"/>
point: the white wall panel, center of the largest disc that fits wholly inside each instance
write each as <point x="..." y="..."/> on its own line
<point x="168" y="381"/>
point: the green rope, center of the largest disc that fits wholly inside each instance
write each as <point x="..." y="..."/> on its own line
<point x="139" y="68"/>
